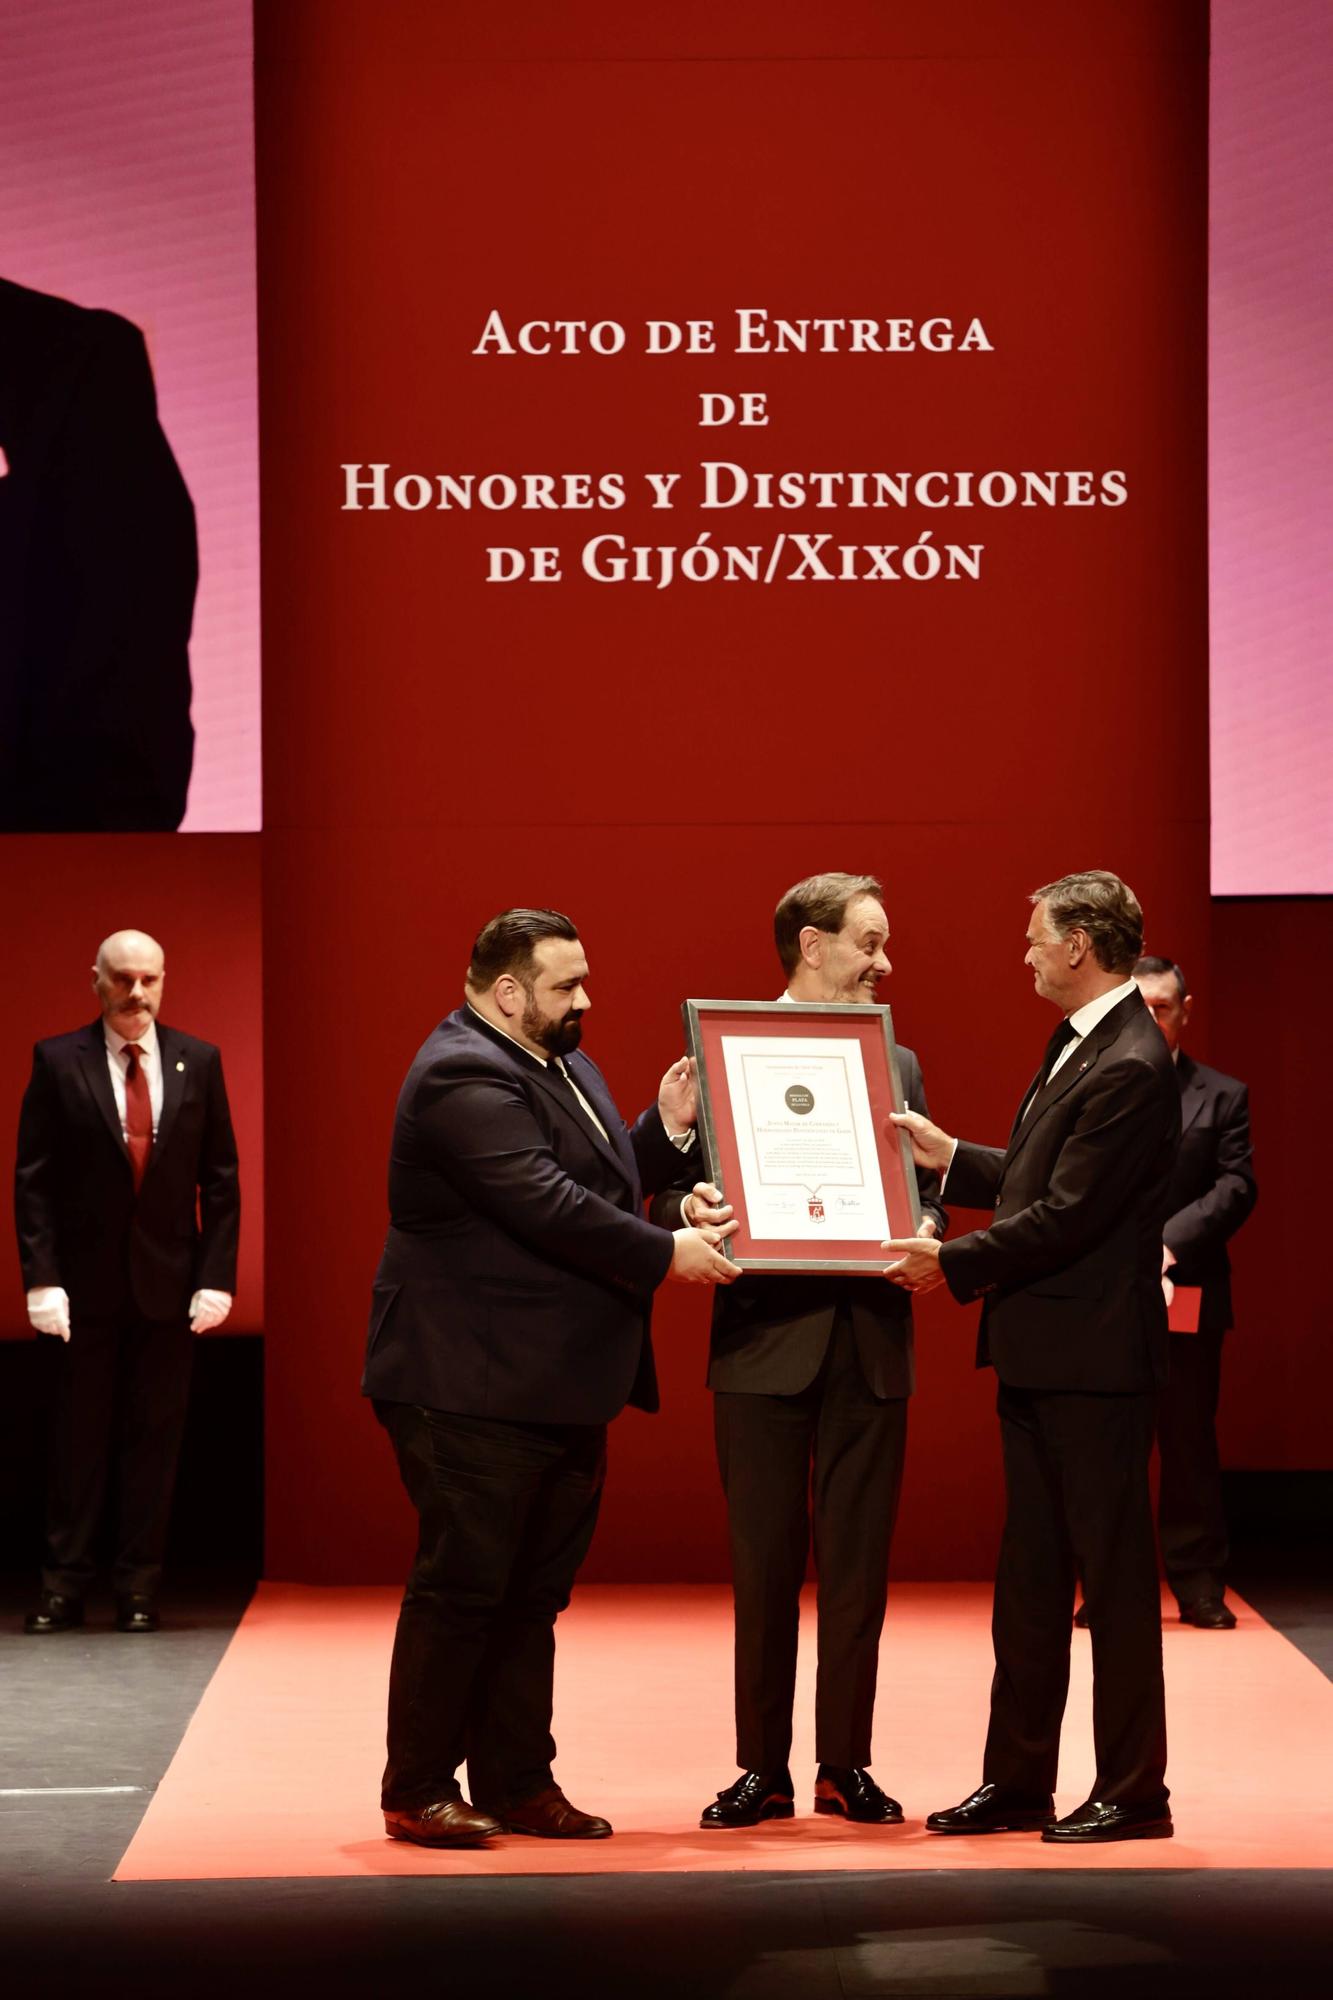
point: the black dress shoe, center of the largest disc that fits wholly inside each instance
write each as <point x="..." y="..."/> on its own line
<point x="549" y="1814"/>
<point x="852" y="1793"/>
<point x="446" y="1823"/>
<point x="136" y="1614"/>
<point x="1095" y="1821"/>
<point x="755" y="1795"/>
<point x="1210" y="1614"/>
<point x="1081" y="1618"/>
<point x="990" y="1811"/>
<point x="55" y="1613"/>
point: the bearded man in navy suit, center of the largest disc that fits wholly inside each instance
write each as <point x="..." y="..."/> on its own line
<point x="509" y="1324"/>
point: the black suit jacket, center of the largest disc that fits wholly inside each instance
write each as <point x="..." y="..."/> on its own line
<point x="518" y="1271"/>
<point x="80" y="1224"/>
<point x="1212" y="1188"/>
<point x="1070" y="1270"/>
<point x="771" y="1330"/>
<point x="98" y="568"/>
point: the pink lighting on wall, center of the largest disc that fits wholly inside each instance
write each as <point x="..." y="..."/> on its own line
<point x="1271" y="447"/>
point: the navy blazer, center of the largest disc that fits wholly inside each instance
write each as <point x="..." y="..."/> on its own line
<point x="518" y="1270"/>
<point x="1212" y="1188"/>
<point x="80" y="1223"/>
<point x="1070" y="1270"/>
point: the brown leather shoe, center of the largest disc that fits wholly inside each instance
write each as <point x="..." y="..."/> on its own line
<point x="446" y="1823"/>
<point x="549" y="1814"/>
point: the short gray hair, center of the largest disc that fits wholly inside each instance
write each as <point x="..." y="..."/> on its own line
<point x="1102" y="905"/>
<point x="821" y="902"/>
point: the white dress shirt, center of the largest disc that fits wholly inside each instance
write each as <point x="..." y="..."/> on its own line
<point x="1084" y="1019"/>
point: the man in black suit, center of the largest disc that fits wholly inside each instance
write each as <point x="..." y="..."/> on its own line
<point x="811" y="1377"/>
<point x="1074" y="1322"/>
<point x="98" y="568"/>
<point x="1212" y="1191"/>
<point x="128" y="1211"/>
<point x="510" y="1323"/>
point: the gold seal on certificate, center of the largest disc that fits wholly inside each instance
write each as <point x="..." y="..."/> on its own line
<point x="794" y="1104"/>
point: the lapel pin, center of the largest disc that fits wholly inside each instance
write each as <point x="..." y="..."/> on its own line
<point x="182" y="1065"/>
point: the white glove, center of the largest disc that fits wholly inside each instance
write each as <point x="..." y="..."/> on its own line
<point x="48" y="1310"/>
<point x="208" y="1309"/>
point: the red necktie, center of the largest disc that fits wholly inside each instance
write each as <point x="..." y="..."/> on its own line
<point x="138" y="1115"/>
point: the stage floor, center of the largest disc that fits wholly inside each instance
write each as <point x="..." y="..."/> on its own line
<point x="277" y="1774"/>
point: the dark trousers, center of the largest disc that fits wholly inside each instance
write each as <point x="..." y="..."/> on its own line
<point x="122" y="1391"/>
<point x="1191" y="1521"/>
<point x="507" y="1512"/>
<point x="832" y="1454"/>
<point x="1076" y="1481"/>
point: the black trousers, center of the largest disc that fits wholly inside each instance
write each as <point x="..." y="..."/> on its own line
<point x="1191" y="1520"/>
<point x="831" y="1455"/>
<point x="122" y="1391"/>
<point x="1076" y="1482"/>
<point x="507" y="1512"/>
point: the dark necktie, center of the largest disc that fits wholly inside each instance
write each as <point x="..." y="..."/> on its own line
<point x="138" y="1115"/>
<point x="1063" y="1036"/>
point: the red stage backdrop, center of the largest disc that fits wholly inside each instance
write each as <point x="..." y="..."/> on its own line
<point x="977" y="681"/>
<point x="1272" y="964"/>
<point x="200" y="899"/>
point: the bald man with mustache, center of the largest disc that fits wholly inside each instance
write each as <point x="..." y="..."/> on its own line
<point x="127" y="1203"/>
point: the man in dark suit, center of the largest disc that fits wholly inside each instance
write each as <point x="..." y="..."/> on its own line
<point x="510" y="1323"/>
<point x="128" y="1211"/>
<point x="1074" y="1323"/>
<point x="810" y="1380"/>
<point x="98" y="568"/>
<point x="1212" y="1191"/>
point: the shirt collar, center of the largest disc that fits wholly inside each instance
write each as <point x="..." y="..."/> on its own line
<point x="483" y="1022"/>
<point x="1085" y="1019"/>
<point x="146" y="1044"/>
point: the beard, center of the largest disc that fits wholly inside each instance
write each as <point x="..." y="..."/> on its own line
<point x="558" y="1038"/>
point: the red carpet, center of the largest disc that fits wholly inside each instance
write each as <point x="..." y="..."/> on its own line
<point x="278" y="1772"/>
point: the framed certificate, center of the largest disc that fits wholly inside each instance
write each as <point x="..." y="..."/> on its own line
<point x="794" y="1104"/>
